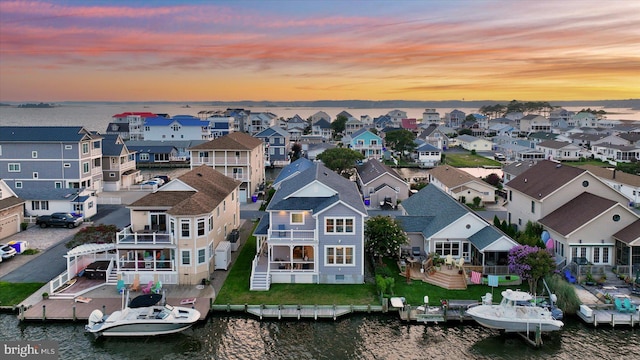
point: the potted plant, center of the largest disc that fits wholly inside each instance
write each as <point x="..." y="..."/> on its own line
<point x="45" y="295"/>
<point x="589" y="279"/>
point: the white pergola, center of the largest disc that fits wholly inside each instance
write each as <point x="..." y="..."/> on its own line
<point x="84" y="250"/>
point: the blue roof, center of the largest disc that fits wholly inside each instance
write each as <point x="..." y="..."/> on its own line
<point x="485" y="237"/>
<point x="263" y="226"/>
<point x="184" y="120"/>
<point x="427" y="147"/>
<point x="433" y="202"/>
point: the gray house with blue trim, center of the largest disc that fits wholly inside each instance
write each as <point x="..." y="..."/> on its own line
<point x="437" y="223"/>
<point x="313" y="232"/>
<point x="50" y="157"/>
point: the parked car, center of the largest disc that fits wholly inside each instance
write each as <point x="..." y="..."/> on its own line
<point x="159" y="181"/>
<point x="151" y="182"/>
<point x="164" y="178"/>
<point x="59" y="219"/>
<point x="7" y="252"/>
<point x="499" y="157"/>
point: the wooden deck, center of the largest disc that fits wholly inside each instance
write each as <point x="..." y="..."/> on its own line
<point x="106" y="299"/>
<point x="606" y="314"/>
<point x="446" y="277"/>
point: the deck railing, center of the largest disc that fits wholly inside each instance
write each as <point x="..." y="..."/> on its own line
<point x="292" y="235"/>
<point x="127" y="236"/>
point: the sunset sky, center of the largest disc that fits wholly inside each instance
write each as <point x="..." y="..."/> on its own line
<point x="55" y="51"/>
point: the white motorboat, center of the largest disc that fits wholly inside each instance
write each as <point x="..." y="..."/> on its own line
<point x="142" y="321"/>
<point x="516" y="313"/>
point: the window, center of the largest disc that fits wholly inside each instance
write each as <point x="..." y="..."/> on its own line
<point x="35" y="175"/>
<point x="67" y="165"/>
<point x="185" y="228"/>
<point x="112" y="175"/>
<point x="40" y="205"/>
<point x="224" y="206"/>
<point x="339" y="255"/>
<point x="202" y="256"/>
<point x="200" y="227"/>
<point x="57" y="185"/>
<point x="186" y="257"/>
<point x="605" y="254"/>
<point x="585" y="183"/>
<point x="18" y="184"/>
<point x="210" y="250"/>
<point x="616" y="217"/>
<point x="210" y="223"/>
<point x="297" y="218"/>
<point x="78" y="207"/>
<point x="85" y="148"/>
<point x="34" y="154"/>
<point x="596" y="255"/>
<point x="339" y="226"/>
<point x="144" y="156"/>
<point x="68" y="147"/>
<point x="533" y="206"/>
<point x="14" y="167"/>
<point x="85" y="167"/>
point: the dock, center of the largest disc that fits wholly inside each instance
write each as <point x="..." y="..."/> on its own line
<point x="453" y="310"/>
<point x="311" y="312"/>
<point x="606" y="314"/>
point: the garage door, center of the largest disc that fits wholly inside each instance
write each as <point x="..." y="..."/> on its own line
<point x="243" y="195"/>
<point x="9" y="226"/>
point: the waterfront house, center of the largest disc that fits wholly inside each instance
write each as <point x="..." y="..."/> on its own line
<point x="238" y="156"/>
<point x="454" y="119"/>
<point x="434" y="135"/>
<point x="220" y="125"/>
<point x="427" y="155"/>
<point x="469" y="142"/>
<point x="621" y="153"/>
<point x="173" y="234"/>
<point x="312" y="150"/>
<point x="179" y="127"/>
<point x="240" y="119"/>
<point x="584" y="227"/>
<point x="588" y="210"/>
<point x="313" y="232"/>
<point x="382" y="122"/>
<point x="296" y="127"/>
<point x="42" y="201"/>
<point x="380" y="185"/>
<point x="322" y="128"/>
<point x="397" y="116"/>
<point x="410" y="124"/>
<point x="437" y="223"/>
<point x="461" y="185"/>
<point x="627" y="248"/>
<point x="352" y="125"/>
<point x="430" y="116"/>
<point x="277" y="145"/>
<point x="366" y="143"/>
<point x="51" y="157"/>
<point x="154" y="152"/>
<point x="559" y="150"/>
<point x="320" y="115"/>
<point x="260" y="121"/>
<point x="11" y="211"/>
<point x="534" y="123"/>
<point x="130" y="122"/>
<point x="118" y="164"/>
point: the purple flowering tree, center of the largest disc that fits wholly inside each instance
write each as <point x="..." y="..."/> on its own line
<point x="531" y="263"/>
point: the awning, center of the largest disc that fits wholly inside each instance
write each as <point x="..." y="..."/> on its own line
<point x="86" y="249"/>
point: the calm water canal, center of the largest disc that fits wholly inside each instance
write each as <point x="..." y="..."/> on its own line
<point x="354" y="337"/>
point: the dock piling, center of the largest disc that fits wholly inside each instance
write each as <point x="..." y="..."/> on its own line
<point x="44" y="312"/>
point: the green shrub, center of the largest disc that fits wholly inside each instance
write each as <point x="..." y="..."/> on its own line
<point x="568" y="299"/>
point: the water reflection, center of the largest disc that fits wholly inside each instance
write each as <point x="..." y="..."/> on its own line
<point x="355" y="337"/>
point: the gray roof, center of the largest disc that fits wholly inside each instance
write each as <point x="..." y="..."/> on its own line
<point x="414" y="224"/>
<point x="434" y="203"/>
<point x="175" y="143"/>
<point x="45" y="134"/>
<point x="485" y="237"/>
<point x="345" y="191"/>
<point x="294" y="168"/>
<point x="40" y="193"/>
<point x="263" y="226"/>
<point x="272" y="131"/>
<point x="373" y="169"/>
<point x="110" y="147"/>
<point x="542" y="179"/>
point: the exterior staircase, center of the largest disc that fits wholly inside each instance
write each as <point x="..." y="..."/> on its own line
<point x="447" y="280"/>
<point x="112" y="277"/>
<point x="260" y="281"/>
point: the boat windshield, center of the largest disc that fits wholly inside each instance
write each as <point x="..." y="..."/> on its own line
<point x="165" y="312"/>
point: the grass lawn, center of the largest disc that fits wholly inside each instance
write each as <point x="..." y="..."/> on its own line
<point x="12" y="294"/>
<point x="235" y="290"/>
<point x="593" y="162"/>
<point x="468" y="160"/>
<point x="415" y="291"/>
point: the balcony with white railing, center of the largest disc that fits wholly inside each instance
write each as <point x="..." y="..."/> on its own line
<point x="231" y="160"/>
<point x="367" y="146"/>
<point x="202" y="160"/>
<point x="290" y="236"/>
<point x="146" y="237"/>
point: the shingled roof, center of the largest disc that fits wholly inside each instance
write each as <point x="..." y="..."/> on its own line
<point x="614" y="175"/>
<point x="234" y="141"/>
<point x="629" y="234"/>
<point x="544" y="178"/>
<point x="373" y="169"/>
<point x="211" y="186"/>
<point x="452" y="177"/>
<point x="576" y="213"/>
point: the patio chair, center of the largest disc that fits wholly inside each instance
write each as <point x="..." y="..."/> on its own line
<point x="120" y="286"/>
<point x="147" y="289"/>
<point x="570" y="278"/>
<point x="136" y="284"/>
<point x="629" y="307"/>
<point x="449" y="261"/>
<point x="618" y="303"/>
<point x="157" y="287"/>
<point x="415" y="251"/>
<point x="459" y="264"/>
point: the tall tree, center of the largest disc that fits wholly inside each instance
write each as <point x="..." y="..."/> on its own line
<point x="383" y="237"/>
<point x="401" y="141"/>
<point x="338" y="124"/>
<point x="296" y="151"/>
<point x="340" y="160"/>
